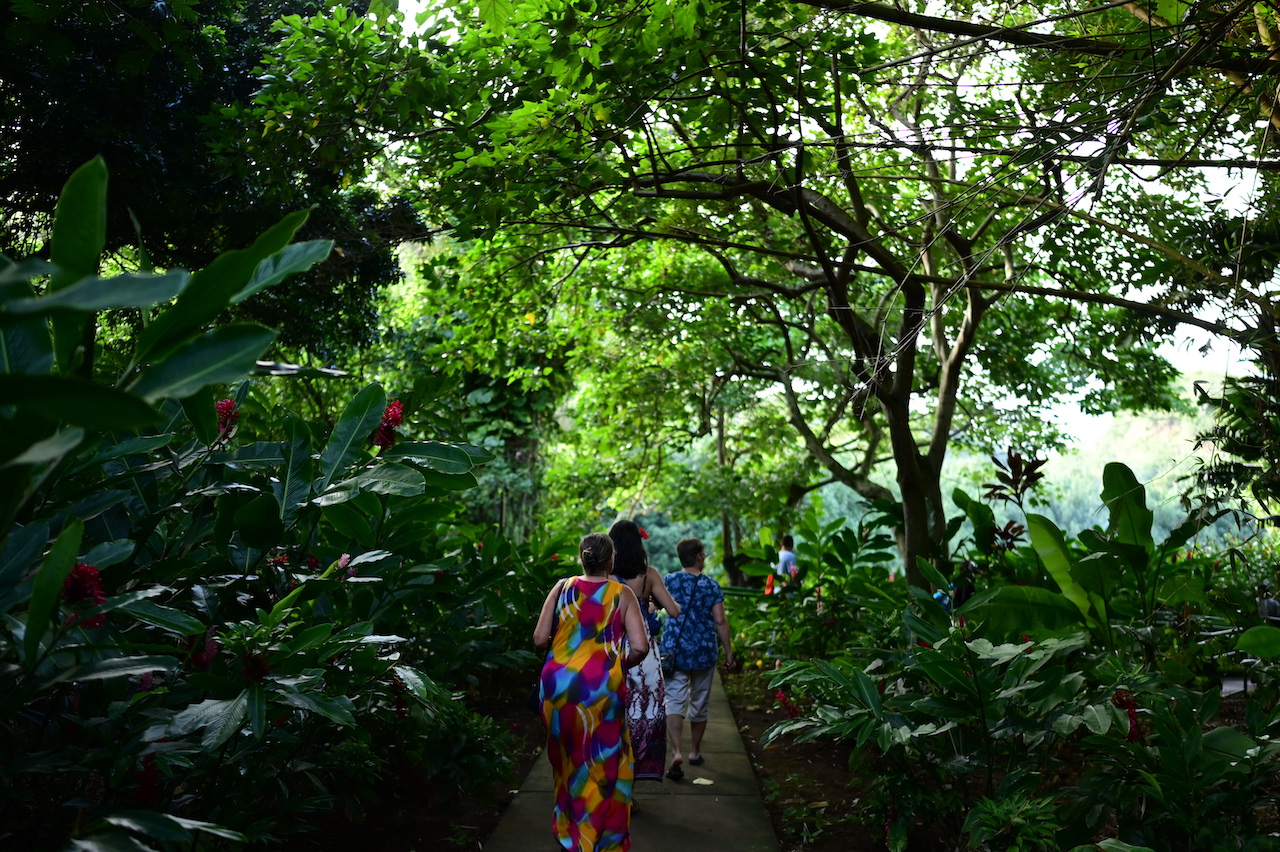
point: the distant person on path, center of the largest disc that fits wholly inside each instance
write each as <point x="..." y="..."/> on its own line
<point x="787" y="568"/>
<point x="691" y="640"/>
<point x="646" y="691"/>
<point x="595" y="629"/>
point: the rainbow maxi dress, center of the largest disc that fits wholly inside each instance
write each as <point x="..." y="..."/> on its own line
<point x="584" y="709"/>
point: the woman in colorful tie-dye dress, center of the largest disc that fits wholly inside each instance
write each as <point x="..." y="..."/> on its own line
<point x="595" y="629"/>
<point x="646" y="692"/>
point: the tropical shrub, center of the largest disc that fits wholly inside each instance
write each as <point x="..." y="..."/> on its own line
<point x="202" y="636"/>
<point x="971" y="716"/>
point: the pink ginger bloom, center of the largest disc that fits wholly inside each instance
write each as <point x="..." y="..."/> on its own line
<point x="227" y="416"/>
<point x="385" y="436"/>
<point x="84" y="584"/>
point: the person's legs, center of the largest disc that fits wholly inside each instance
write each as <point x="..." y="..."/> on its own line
<point x="699" y="704"/>
<point x="675" y="730"/>
<point x="677" y="700"/>
<point x="695" y="741"/>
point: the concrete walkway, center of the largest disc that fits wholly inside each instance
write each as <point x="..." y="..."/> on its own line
<point x="726" y="814"/>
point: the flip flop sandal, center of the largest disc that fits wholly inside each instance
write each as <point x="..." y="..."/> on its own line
<point x="675" y="773"/>
<point x="697" y="761"/>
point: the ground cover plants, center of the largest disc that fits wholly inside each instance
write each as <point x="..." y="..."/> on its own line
<point x="220" y="619"/>
<point x="1073" y="699"/>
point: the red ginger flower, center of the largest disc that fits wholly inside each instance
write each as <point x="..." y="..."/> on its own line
<point x="84" y="584"/>
<point x="385" y="436"/>
<point x="255" y="668"/>
<point x="202" y="656"/>
<point x="1125" y="701"/>
<point x="227" y="415"/>
<point x="146" y="791"/>
<point x="643" y="534"/>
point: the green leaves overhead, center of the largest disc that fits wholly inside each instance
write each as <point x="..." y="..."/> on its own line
<point x="215" y="357"/>
<point x="96" y="294"/>
<point x="213" y="288"/>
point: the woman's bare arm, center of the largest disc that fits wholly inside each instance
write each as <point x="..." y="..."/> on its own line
<point x="542" y="631"/>
<point x="633" y="621"/>
<point x="659" y="591"/>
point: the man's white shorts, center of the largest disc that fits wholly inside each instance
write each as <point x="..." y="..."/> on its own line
<point x="689" y="694"/>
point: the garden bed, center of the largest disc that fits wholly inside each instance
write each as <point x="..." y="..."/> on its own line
<point x="406" y="817"/>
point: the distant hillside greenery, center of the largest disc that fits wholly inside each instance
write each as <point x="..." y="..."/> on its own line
<point x="1158" y="447"/>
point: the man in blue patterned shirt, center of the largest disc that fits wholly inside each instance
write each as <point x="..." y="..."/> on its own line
<point x="693" y="640"/>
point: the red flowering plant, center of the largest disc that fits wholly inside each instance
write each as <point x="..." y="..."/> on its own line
<point x="385" y="435"/>
<point x="84" y="586"/>
<point x="228" y="414"/>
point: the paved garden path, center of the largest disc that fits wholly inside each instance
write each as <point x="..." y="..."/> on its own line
<point x="723" y="816"/>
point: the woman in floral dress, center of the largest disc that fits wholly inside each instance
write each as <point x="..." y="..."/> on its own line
<point x="646" y="692"/>
<point x="595" y="629"/>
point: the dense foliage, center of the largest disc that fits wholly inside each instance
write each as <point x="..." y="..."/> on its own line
<point x="211" y="635"/>
<point x="1058" y="693"/>
<point x="144" y="85"/>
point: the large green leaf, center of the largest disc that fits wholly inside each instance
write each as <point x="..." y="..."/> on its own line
<point x="54" y="447"/>
<point x="261" y="454"/>
<point x="109" y="841"/>
<point x="391" y="478"/>
<point x="446" y="458"/>
<point x="349" y="437"/>
<point x="221" y="726"/>
<point x="1051" y="547"/>
<point x="48" y="586"/>
<point x="217" y="357"/>
<point x="334" y="709"/>
<point x="1009" y="611"/>
<point x="1098" y="573"/>
<point x="205" y="713"/>
<point x="298" y="257"/>
<point x="26" y="345"/>
<point x="211" y="290"/>
<point x="169" y="827"/>
<point x="293" y="488"/>
<point x="114" y="667"/>
<point x="1262" y="640"/>
<point x="165" y="618"/>
<point x="21" y="550"/>
<point x="94" y="294"/>
<point x="257" y="709"/>
<point x="203" y="417"/>
<point x="1126" y="499"/>
<point x="449" y="481"/>
<point x="79" y="234"/>
<point x="982" y="518"/>
<point x="352" y="523"/>
<point x="932" y="575"/>
<point x="77" y="401"/>
<point x="150" y="824"/>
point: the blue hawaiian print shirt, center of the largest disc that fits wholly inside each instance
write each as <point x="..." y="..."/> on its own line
<point x="692" y="636"/>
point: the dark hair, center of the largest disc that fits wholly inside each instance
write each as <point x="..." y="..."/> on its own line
<point x="788" y="542"/>
<point x="688" y="549"/>
<point x="629" y="557"/>
<point x="595" y="552"/>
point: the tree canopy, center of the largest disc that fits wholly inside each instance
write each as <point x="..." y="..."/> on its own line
<point x="898" y="230"/>
<point x="151" y="87"/>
